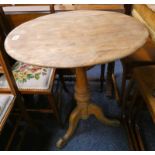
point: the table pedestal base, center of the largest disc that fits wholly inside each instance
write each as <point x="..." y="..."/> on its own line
<point x="84" y="108"/>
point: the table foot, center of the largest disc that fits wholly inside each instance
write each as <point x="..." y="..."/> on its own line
<point x="61" y="142"/>
<point x="98" y="113"/>
<point x="73" y="121"/>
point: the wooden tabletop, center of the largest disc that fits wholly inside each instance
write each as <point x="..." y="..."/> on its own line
<point x="76" y="39"/>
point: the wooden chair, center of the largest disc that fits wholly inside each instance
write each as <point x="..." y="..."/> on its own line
<point x="141" y="89"/>
<point x="32" y="79"/>
<point x="145" y="56"/>
<point x="142" y="57"/>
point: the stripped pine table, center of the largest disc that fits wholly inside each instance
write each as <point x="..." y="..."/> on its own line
<point x="77" y="39"/>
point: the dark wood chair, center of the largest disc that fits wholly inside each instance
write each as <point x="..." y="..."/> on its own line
<point x="32" y="79"/>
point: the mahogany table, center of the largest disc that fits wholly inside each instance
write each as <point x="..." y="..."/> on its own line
<point x="77" y="39"/>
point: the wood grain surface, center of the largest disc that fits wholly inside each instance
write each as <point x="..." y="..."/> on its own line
<point x="76" y="39"/>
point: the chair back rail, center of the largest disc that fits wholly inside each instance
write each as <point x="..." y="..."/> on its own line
<point x="6" y="69"/>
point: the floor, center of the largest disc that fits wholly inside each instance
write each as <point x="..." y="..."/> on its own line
<point x="90" y="134"/>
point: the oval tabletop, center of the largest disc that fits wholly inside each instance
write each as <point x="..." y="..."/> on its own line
<point x="76" y="39"/>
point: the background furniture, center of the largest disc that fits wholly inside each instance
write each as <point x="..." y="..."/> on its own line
<point x="144" y="77"/>
<point x="142" y="88"/>
<point x="143" y="56"/>
<point x="146" y="14"/>
<point x="32" y="79"/>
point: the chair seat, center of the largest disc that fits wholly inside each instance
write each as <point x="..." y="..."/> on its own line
<point x="29" y="76"/>
<point x="145" y="78"/>
<point x="5" y="101"/>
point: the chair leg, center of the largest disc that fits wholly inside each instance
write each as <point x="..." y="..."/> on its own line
<point x="126" y="108"/>
<point x="24" y="114"/>
<point x="116" y="90"/>
<point x="135" y="118"/>
<point x="126" y="97"/>
<point x="63" y="83"/>
<point x="131" y="114"/>
<point x="123" y="86"/>
<point x="12" y="135"/>
<point x="53" y="105"/>
<point x="109" y="82"/>
<point x="132" y="119"/>
<point x="102" y="76"/>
